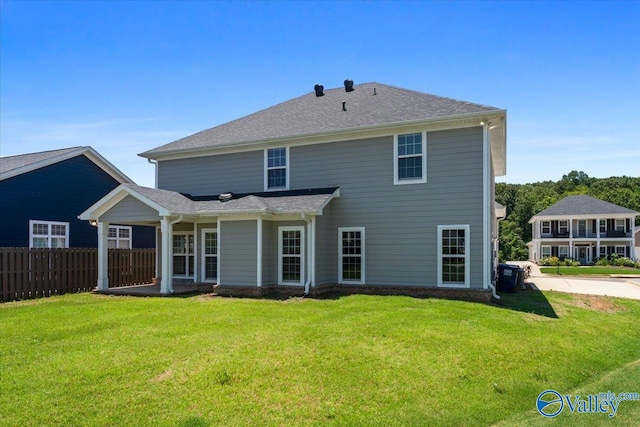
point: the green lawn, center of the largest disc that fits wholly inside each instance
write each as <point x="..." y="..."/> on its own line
<point x="90" y="360"/>
<point x="595" y="271"/>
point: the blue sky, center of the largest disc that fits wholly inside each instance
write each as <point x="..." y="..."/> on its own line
<point x="125" y="77"/>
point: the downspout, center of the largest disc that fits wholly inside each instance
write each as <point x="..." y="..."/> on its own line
<point x="153" y="162"/>
<point x="307" y="270"/>
<point x="485" y="198"/>
<point x="171" y="227"/>
<point x="491" y="285"/>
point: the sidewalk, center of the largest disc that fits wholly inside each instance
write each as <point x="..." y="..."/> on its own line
<point x="622" y="287"/>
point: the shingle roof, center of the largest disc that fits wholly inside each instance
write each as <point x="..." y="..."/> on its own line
<point x="309" y="115"/>
<point x="583" y="205"/>
<point x="170" y="200"/>
<point x="277" y="203"/>
<point x="11" y="166"/>
<point x="10" y="163"/>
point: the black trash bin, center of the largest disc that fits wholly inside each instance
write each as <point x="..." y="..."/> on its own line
<point x="507" y="277"/>
<point x="520" y="280"/>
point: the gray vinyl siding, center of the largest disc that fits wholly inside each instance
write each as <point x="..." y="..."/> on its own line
<point x="130" y="209"/>
<point x="269" y="253"/>
<point x="326" y="249"/>
<point x="211" y="175"/>
<point x="400" y="220"/>
<point x="238" y="253"/>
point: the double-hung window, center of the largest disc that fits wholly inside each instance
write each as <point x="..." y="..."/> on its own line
<point x="453" y="255"/>
<point x="276" y="169"/>
<point x="603" y="225"/>
<point x="210" y="254"/>
<point x="183" y="256"/>
<point x="351" y="254"/>
<point x="620" y="225"/>
<point x="410" y="158"/>
<point x="563" y="227"/>
<point x="546" y="251"/>
<point x="119" y="237"/>
<point x="291" y="255"/>
<point x="545" y="227"/>
<point x="48" y="234"/>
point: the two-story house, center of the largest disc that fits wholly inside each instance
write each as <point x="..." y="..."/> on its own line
<point x="366" y="188"/>
<point x="582" y="228"/>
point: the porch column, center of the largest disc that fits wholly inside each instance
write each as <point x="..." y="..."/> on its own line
<point x="166" y="229"/>
<point x="103" y="256"/>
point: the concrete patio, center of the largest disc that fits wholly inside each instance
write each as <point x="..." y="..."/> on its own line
<point x="151" y="290"/>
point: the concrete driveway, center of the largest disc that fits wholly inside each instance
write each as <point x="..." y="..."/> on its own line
<point x="622" y="287"/>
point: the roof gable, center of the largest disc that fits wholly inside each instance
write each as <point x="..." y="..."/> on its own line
<point x="583" y="205"/>
<point x="370" y="105"/>
<point x="11" y="166"/>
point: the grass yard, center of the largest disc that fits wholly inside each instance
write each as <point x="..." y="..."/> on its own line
<point x="90" y="360"/>
<point x="590" y="271"/>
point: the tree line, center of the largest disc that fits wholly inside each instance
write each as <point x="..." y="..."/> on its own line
<point x="525" y="200"/>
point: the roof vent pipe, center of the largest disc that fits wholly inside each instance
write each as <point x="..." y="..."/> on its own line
<point x="348" y="85"/>
<point x="344" y="105"/>
<point x="319" y="90"/>
<point x="225" y="197"/>
<point x="374" y="91"/>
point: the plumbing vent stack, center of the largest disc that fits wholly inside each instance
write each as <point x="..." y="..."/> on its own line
<point x="319" y="90"/>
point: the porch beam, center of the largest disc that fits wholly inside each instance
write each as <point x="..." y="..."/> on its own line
<point x="103" y="256"/>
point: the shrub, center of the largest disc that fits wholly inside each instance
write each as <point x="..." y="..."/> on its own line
<point x="571" y="262"/>
<point x="547" y="261"/>
<point x="622" y="262"/>
<point x="603" y="262"/>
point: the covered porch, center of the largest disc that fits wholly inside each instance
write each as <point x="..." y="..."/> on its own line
<point x="205" y="241"/>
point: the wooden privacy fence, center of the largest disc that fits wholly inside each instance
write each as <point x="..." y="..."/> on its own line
<point x="34" y="273"/>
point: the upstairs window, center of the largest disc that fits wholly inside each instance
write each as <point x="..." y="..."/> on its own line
<point x="410" y="159"/>
<point x="563" y="227"/>
<point x="119" y="237"/>
<point x="48" y="234"/>
<point x="603" y="225"/>
<point x="545" y="227"/>
<point x="276" y="170"/>
<point x="620" y="225"/>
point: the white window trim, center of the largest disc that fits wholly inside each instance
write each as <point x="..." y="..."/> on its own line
<point x="467" y="246"/>
<point x="266" y="169"/>
<point x="302" y="254"/>
<point x="186" y="255"/>
<point x="396" y="180"/>
<point x="565" y="226"/>
<point x="543" y="226"/>
<point x="118" y="238"/>
<point x="49" y="235"/>
<point x="542" y="248"/>
<point x="203" y="263"/>
<point x="566" y="255"/>
<point x="362" y="256"/>
<point x="603" y="226"/>
<point x="624" y="250"/>
<point x="624" y="225"/>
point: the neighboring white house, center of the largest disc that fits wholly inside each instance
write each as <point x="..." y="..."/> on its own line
<point x="583" y="228"/>
<point x="637" y="237"/>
